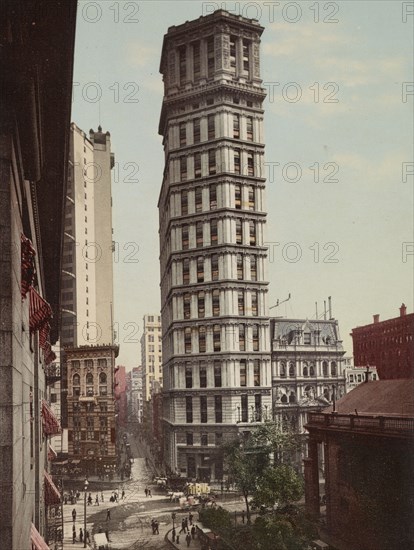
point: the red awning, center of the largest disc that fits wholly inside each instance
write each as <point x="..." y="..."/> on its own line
<point x="51" y="453"/>
<point x="37" y="540"/>
<point x="28" y="254"/>
<point x="39" y="312"/>
<point x="52" y="495"/>
<point x="51" y="425"/>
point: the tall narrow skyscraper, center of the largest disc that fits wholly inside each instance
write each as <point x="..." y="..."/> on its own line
<point x="216" y="346"/>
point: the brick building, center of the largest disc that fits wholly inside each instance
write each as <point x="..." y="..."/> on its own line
<point x="387" y="345"/>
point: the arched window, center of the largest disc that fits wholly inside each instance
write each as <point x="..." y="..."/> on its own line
<point x="284" y="398"/>
<point x="76" y="380"/>
<point x="333" y="368"/>
<point x="325" y="368"/>
<point x="291" y="369"/>
<point x="282" y="368"/>
<point x="292" y="397"/>
<point x="102" y="378"/>
<point x="312" y="370"/>
<point x="89" y="379"/>
<point x="305" y="369"/>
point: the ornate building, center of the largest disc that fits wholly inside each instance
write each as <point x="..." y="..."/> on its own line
<point x="307" y="370"/>
<point x="151" y="354"/>
<point x="91" y="409"/>
<point x="216" y="356"/>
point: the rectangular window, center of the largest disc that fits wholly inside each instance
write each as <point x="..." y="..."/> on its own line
<point x="211" y="162"/>
<point x="246" y="64"/>
<point x="252" y="232"/>
<point x="198" y="196"/>
<point x="196" y="130"/>
<point x="210" y="57"/>
<point x="203" y="409"/>
<point x="236" y="126"/>
<point x="258" y="407"/>
<point x="255" y="337"/>
<point x="233" y="53"/>
<point x="201" y="306"/>
<point x="196" y="61"/>
<point x="240" y="271"/>
<point x="243" y="372"/>
<point x="189" y="410"/>
<point x="216" y="302"/>
<point x="199" y="234"/>
<point x="249" y="128"/>
<point x="188" y="376"/>
<point x="216" y="338"/>
<point x="240" y="302"/>
<point x="214" y="267"/>
<point x="307" y="338"/>
<point x="202" y="339"/>
<point x="183" y="134"/>
<point x="254" y="298"/>
<point x="242" y="338"/>
<point x="189" y="438"/>
<point x="217" y="374"/>
<point x="239" y="234"/>
<point x="250" y="164"/>
<point x="200" y="269"/>
<point x="197" y="165"/>
<point x="237" y="197"/>
<point x="256" y="372"/>
<point x="186" y="271"/>
<point x="252" y="201"/>
<point x="236" y="157"/>
<point x="183" y="64"/>
<point x="204" y="440"/>
<point x="211" y="126"/>
<point x="187" y="340"/>
<point x="244" y="409"/>
<point x="213" y="232"/>
<point x="218" y="409"/>
<point x="184" y="237"/>
<point x="203" y="376"/>
<point x="253" y="268"/>
<point x="213" y="197"/>
<point x="187" y="306"/>
<point x="183" y="168"/>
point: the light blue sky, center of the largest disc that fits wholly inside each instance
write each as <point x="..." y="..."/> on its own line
<point x="362" y="61"/>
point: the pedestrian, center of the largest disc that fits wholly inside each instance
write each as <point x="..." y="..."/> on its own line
<point x="108" y="515"/>
<point x="243" y="516"/>
<point x="102" y="497"/>
<point x="74" y="515"/>
<point x="87" y="538"/>
<point x="185" y="524"/>
<point x="173" y="534"/>
<point x="182" y="526"/>
<point x="97" y="500"/>
<point x="123" y="494"/>
<point x="146" y="491"/>
<point x="188" y="539"/>
<point x="157" y="528"/>
<point x="178" y="539"/>
<point x="190" y="517"/>
<point x="73" y="534"/>
<point x="153" y="526"/>
<point x="193" y="532"/>
<point x="149" y="493"/>
<point x="81" y="534"/>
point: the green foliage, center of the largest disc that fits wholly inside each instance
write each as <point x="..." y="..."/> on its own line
<point x="279" y="484"/>
<point x="216" y="519"/>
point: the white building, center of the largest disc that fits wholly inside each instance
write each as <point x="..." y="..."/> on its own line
<point x="216" y="346"/>
<point x="357" y="375"/>
<point x="151" y="354"/>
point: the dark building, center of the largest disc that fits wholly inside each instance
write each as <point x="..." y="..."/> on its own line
<point x="368" y="443"/>
<point x="387" y="345"/>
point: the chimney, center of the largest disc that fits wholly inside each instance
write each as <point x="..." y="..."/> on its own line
<point x="403" y="310"/>
<point x="376" y="318"/>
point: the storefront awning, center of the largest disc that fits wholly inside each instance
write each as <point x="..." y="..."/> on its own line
<point x="36" y="540"/>
<point x="40" y="311"/>
<point x="51" y="453"/>
<point x="28" y="254"/>
<point x="51" y="425"/>
<point x="52" y="495"/>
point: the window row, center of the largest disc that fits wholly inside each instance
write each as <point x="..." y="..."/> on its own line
<point x="203" y="410"/>
<point x="213" y="161"/>
<point x="215" y="303"/>
<point x="208" y="339"/>
<point x="89" y="379"/>
<point x="290" y="369"/>
<point x="214" y="267"/>
<point x="215" y="232"/>
<point x="203" y="200"/>
<point x="89" y="363"/>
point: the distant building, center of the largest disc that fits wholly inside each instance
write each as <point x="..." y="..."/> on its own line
<point x="386" y="345"/>
<point x="121" y="403"/>
<point x="307" y="369"/>
<point x="135" y="395"/>
<point x="357" y="375"/>
<point x="37" y="49"/>
<point x="91" y="409"/>
<point x="212" y="213"/>
<point x="368" y="443"/>
<point x="151" y="354"/>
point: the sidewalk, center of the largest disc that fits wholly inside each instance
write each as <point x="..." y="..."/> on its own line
<point x="183" y="543"/>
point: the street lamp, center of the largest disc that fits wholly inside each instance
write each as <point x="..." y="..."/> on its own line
<point x="84" y="514"/>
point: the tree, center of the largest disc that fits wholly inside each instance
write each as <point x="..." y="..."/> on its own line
<point x="256" y="464"/>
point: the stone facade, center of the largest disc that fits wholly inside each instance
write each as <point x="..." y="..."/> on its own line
<point x="151" y="354"/>
<point x="216" y="346"/>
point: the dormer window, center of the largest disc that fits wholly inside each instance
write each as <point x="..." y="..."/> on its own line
<point x="307" y="338"/>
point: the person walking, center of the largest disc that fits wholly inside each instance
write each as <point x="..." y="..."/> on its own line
<point x="157" y="528"/>
<point x="188" y="539"/>
<point x="149" y="493"/>
<point x="146" y="491"/>
<point x="108" y="515"/>
<point x="97" y="500"/>
<point x="243" y="516"/>
<point x="193" y="532"/>
<point x="102" y="497"/>
<point x="74" y="515"/>
<point x="123" y="494"/>
<point x="87" y="538"/>
<point x="81" y="534"/>
<point x="190" y="518"/>
<point x="73" y="534"/>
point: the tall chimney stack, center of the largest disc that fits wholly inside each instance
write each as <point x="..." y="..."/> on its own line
<point x="376" y="318"/>
<point x="403" y="310"/>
